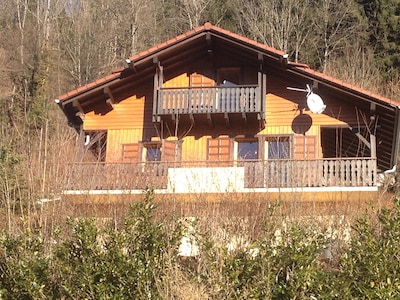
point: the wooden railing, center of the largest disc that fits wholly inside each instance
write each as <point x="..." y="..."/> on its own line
<point x="218" y="99"/>
<point x="355" y="172"/>
<point x="344" y="172"/>
<point x="89" y="176"/>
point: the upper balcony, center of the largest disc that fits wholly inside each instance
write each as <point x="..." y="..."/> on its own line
<point x="217" y="102"/>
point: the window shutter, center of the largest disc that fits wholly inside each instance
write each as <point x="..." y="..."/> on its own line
<point x="220" y="149"/>
<point x="130" y="152"/>
<point x="305" y="147"/>
<point x="171" y="151"/>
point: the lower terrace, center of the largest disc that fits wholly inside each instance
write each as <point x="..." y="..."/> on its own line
<point x="344" y="174"/>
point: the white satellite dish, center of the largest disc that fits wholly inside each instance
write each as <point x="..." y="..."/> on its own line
<point x="314" y="101"/>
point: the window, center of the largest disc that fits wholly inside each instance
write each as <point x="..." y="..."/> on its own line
<point x="278" y="147"/>
<point x="153" y="151"/>
<point x="247" y="149"/>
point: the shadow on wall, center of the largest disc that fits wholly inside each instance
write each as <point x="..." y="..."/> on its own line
<point x="301" y="124"/>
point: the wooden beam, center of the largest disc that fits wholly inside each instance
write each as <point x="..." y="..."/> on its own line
<point x="372" y="108"/>
<point x="210" y="51"/>
<point x="209" y="119"/>
<point x="111" y="100"/>
<point x="260" y="58"/>
<point x="263" y="94"/>
<point x="244" y="117"/>
<point x="78" y="106"/>
<point x="208" y="39"/>
<point x="360" y="137"/>
<point x="155" y="93"/>
<point x="315" y="85"/>
<point x="110" y="103"/>
<point x="372" y="138"/>
<point x="226" y="117"/>
<point x="80" y="115"/>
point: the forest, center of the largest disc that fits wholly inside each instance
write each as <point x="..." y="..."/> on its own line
<point x="49" y="47"/>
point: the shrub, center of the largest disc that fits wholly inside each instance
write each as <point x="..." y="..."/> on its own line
<point x="370" y="267"/>
<point x="125" y="264"/>
<point x="24" y="267"/>
<point x="269" y="268"/>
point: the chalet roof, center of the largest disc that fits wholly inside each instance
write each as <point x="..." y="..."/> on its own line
<point x="147" y="58"/>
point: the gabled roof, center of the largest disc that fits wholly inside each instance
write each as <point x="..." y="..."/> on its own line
<point x="147" y="58"/>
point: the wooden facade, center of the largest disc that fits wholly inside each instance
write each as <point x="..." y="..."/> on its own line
<point x="210" y="111"/>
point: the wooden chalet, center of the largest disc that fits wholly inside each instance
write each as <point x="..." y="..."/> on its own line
<point x="210" y="111"/>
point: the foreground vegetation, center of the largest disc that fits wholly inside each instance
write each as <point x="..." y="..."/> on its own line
<point x="138" y="259"/>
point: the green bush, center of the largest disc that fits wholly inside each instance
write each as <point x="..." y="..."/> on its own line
<point x="370" y="267"/>
<point x="136" y="261"/>
<point x="125" y="264"/>
<point x="24" y="267"/>
<point x="269" y="268"/>
<point x="92" y="262"/>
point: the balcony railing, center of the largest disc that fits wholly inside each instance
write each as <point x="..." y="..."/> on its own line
<point x="356" y="172"/>
<point x="218" y="99"/>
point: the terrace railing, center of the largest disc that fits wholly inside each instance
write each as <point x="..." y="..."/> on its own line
<point x="218" y="99"/>
<point x="345" y="172"/>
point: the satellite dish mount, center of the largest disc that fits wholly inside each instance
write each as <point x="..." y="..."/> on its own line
<point x="314" y="101"/>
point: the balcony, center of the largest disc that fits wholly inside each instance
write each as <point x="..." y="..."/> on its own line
<point x="223" y="100"/>
<point x="239" y="176"/>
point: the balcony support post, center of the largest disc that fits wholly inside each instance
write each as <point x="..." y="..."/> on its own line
<point x="226" y="117"/>
<point x="244" y="117"/>
<point x="209" y="119"/>
<point x="157" y="99"/>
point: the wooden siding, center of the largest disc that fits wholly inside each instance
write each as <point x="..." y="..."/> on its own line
<point x="126" y="114"/>
<point x="281" y="111"/>
<point x="115" y="140"/>
<point x="181" y="80"/>
<point x="194" y="150"/>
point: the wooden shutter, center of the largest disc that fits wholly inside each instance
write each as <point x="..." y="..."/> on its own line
<point x="171" y="151"/>
<point x="220" y="150"/>
<point x="305" y="147"/>
<point x="130" y="152"/>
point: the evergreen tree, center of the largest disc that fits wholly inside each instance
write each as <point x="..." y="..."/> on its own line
<point x="384" y="32"/>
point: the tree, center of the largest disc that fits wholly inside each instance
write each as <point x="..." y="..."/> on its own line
<point x="338" y="25"/>
<point x="284" y="25"/>
<point x="384" y="32"/>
